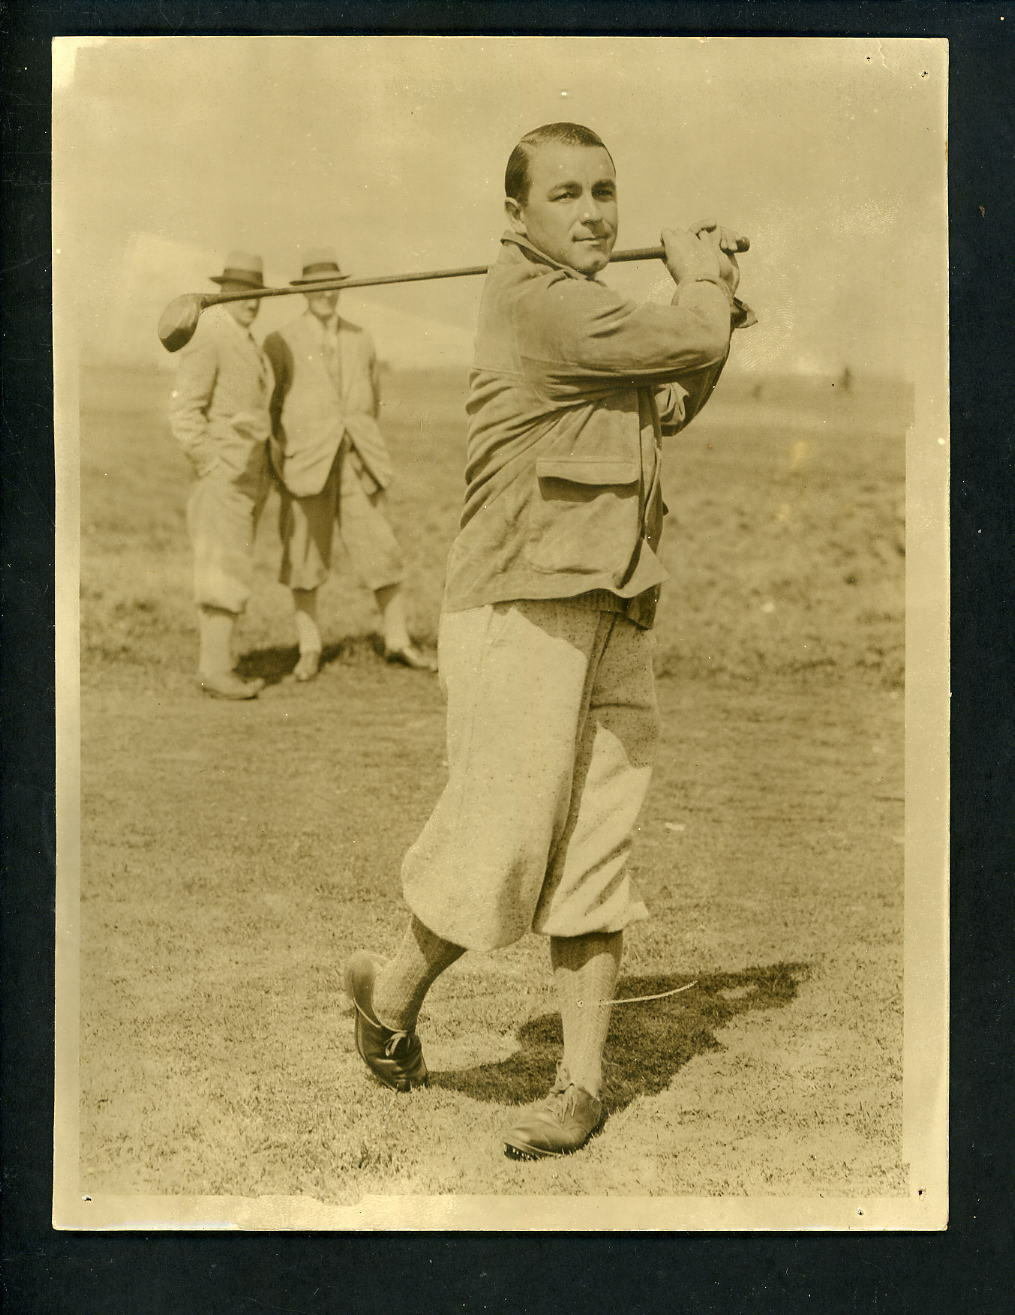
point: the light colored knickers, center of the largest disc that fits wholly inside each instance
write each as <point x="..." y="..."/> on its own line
<point x="306" y="527"/>
<point x="551" y="730"/>
<point x="222" y="520"/>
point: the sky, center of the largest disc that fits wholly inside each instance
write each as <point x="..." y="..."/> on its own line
<point x="828" y="153"/>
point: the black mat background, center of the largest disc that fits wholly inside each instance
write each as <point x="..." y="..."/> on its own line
<point x="968" y="1268"/>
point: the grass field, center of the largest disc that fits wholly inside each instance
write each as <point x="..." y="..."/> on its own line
<point x="232" y="856"/>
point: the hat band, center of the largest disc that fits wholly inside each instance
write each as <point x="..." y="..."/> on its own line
<point x="310" y="271"/>
<point x="241" y="276"/>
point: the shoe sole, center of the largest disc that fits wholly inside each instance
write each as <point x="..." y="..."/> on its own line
<point x="523" y="1151"/>
<point x="399" y="1091"/>
<point x="517" y="1153"/>
<point x="397" y="660"/>
<point x="535" y="1153"/>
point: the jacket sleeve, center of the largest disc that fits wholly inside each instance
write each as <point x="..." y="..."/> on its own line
<point x="190" y="400"/>
<point x="679" y="403"/>
<point x="577" y="337"/>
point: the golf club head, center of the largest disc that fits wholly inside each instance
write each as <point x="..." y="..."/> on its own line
<point x="179" y="320"/>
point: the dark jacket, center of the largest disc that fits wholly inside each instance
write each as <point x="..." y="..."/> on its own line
<point x="572" y="389"/>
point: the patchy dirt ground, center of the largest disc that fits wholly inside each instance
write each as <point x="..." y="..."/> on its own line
<point x="233" y="855"/>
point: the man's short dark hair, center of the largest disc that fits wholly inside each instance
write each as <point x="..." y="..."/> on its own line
<point x="516" y="176"/>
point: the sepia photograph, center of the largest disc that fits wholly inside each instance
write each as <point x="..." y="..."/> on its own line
<point x="502" y="633"/>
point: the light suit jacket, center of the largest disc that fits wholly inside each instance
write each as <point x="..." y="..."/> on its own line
<point x="310" y="417"/>
<point x="219" y="409"/>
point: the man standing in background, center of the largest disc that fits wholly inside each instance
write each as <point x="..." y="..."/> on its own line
<point x="333" y="465"/>
<point x="545" y="639"/>
<point x="219" y="415"/>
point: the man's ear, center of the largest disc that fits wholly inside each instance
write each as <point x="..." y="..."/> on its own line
<point x="513" y="210"/>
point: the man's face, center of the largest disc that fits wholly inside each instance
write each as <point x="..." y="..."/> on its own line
<point x="571" y="210"/>
<point x="243" y="312"/>
<point x="322" y="304"/>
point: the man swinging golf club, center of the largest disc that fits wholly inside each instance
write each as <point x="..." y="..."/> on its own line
<point x="545" y="641"/>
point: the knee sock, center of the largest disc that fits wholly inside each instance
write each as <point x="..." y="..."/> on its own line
<point x="391" y="604"/>
<point x="401" y="985"/>
<point x="215" y="628"/>
<point x="585" y="972"/>
<point x="305" y="615"/>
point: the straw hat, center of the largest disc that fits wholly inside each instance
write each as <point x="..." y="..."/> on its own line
<point x="319" y="265"/>
<point x="242" y="268"/>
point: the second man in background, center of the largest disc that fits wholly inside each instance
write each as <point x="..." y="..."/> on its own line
<point x="333" y="465"/>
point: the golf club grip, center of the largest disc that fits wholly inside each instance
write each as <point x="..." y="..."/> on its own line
<point x="638" y="253"/>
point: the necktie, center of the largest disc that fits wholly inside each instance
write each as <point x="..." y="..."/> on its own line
<point x="262" y="364"/>
<point x="332" y="359"/>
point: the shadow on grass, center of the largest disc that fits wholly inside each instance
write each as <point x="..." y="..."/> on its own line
<point x="648" y="1043"/>
<point x="276" y="664"/>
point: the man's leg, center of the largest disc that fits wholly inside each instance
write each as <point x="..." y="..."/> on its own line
<point x="308" y="634"/>
<point x="394" y="627"/>
<point x="588" y="887"/>
<point x="377" y="559"/>
<point x="388" y="1001"/>
<point x="514" y="683"/>
<point x="587" y="897"/>
<point x="222" y="520"/>
<point x="585" y="970"/>
<point x="306" y="526"/>
<point x="401" y="985"/>
<point x="398" y="645"/>
<point x="216" y="626"/>
<point x="514" y="676"/>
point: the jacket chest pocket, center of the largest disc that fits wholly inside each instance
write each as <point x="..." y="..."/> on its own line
<point x="584" y="515"/>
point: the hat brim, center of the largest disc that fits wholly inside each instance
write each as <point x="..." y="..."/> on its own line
<point x="221" y="279"/>
<point x="319" y="278"/>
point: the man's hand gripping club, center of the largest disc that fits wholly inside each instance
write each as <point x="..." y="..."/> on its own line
<point x="704" y="251"/>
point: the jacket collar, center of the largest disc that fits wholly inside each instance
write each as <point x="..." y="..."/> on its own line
<point x="222" y="316"/>
<point x="541" y="257"/>
<point x="320" y="326"/>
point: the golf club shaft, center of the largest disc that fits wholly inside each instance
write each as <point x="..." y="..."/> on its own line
<point x="215" y="299"/>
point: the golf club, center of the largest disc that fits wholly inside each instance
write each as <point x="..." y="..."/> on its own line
<point x="178" y="321"/>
